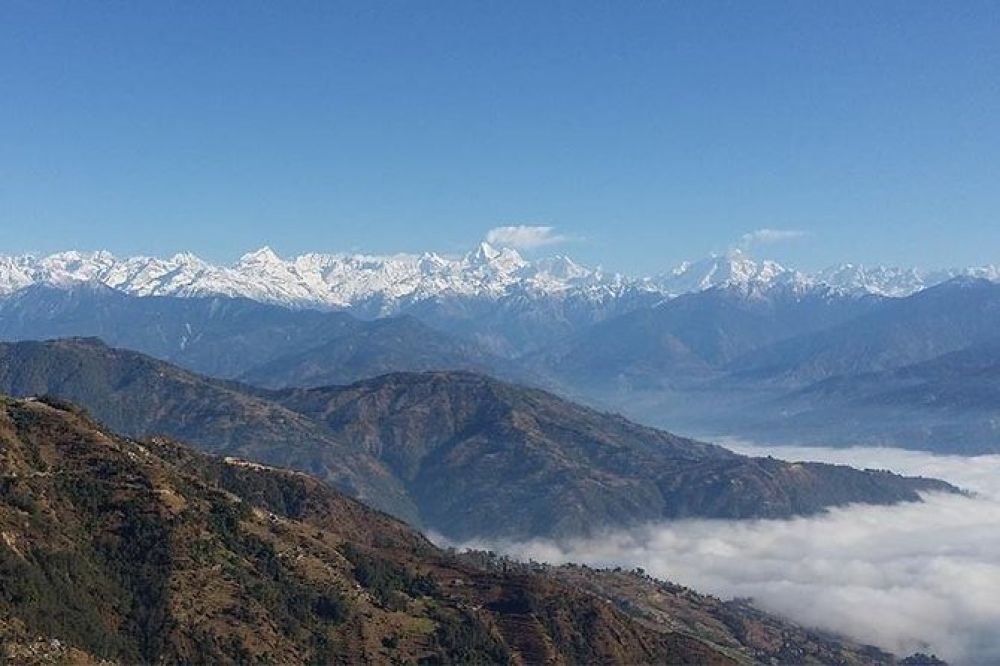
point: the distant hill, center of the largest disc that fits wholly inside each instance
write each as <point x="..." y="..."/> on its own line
<point x="138" y="395"/>
<point x="723" y="346"/>
<point x="900" y="332"/>
<point x="475" y="452"/>
<point x="745" y="357"/>
<point x="237" y="337"/>
<point x="949" y="404"/>
<point x="915" y="372"/>
<point x="457" y="452"/>
<point x="378" y="347"/>
<point x="694" y="336"/>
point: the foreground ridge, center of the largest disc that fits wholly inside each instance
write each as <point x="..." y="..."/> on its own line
<point x="147" y="551"/>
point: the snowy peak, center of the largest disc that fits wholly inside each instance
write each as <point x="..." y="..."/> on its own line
<point x="483" y="254"/>
<point x="187" y="259"/>
<point x="342" y="281"/>
<point x="382" y="285"/>
<point x="561" y="267"/>
<point x="489" y="257"/>
<point x="896" y="282"/>
<point x="733" y="270"/>
<point x="882" y="281"/>
<point x="264" y="256"/>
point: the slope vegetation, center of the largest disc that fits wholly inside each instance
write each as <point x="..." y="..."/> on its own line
<point x="114" y="549"/>
<point x="455" y="452"/>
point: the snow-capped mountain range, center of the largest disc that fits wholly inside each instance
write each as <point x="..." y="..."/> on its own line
<point x="386" y="284"/>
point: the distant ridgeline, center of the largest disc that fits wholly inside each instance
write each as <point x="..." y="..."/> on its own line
<point x="457" y="452"/>
<point x="385" y="284"/>
<point x="756" y="351"/>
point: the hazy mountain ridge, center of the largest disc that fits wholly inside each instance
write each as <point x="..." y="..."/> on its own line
<point x="696" y="335"/>
<point x="463" y="454"/>
<point x="237" y="337"/>
<point x="948" y="404"/>
<point x="936" y="321"/>
<point x="825" y="369"/>
<point x="475" y="451"/>
<point x="492" y="300"/>
<point x="730" y="360"/>
<point x="138" y="395"/>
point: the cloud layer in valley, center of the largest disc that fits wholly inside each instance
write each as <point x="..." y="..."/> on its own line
<point x="980" y="474"/>
<point x="524" y="237"/>
<point x="912" y="577"/>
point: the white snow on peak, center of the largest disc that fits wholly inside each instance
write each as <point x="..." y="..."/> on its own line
<point x="734" y="270"/>
<point x="313" y="280"/>
<point x="878" y="280"/>
<point x="265" y="256"/>
<point x="484" y="254"/>
<point x="387" y="284"/>
<point x="897" y="282"/>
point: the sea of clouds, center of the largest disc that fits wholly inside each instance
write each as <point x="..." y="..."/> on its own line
<point x="912" y="577"/>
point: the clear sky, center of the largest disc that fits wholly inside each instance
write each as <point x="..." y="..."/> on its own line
<point x="642" y="132"/>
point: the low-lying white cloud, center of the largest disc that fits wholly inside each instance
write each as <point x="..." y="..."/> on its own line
<point x="524" y="237"/>
<point x="913" y="577"/>
<point x="980" y="474"/>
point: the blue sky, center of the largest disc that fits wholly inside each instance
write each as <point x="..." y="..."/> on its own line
<point x="642" y="132"/>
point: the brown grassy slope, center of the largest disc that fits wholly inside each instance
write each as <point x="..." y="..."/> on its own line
<point x="481" y="457"/>
<point x="152" y="552"/>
